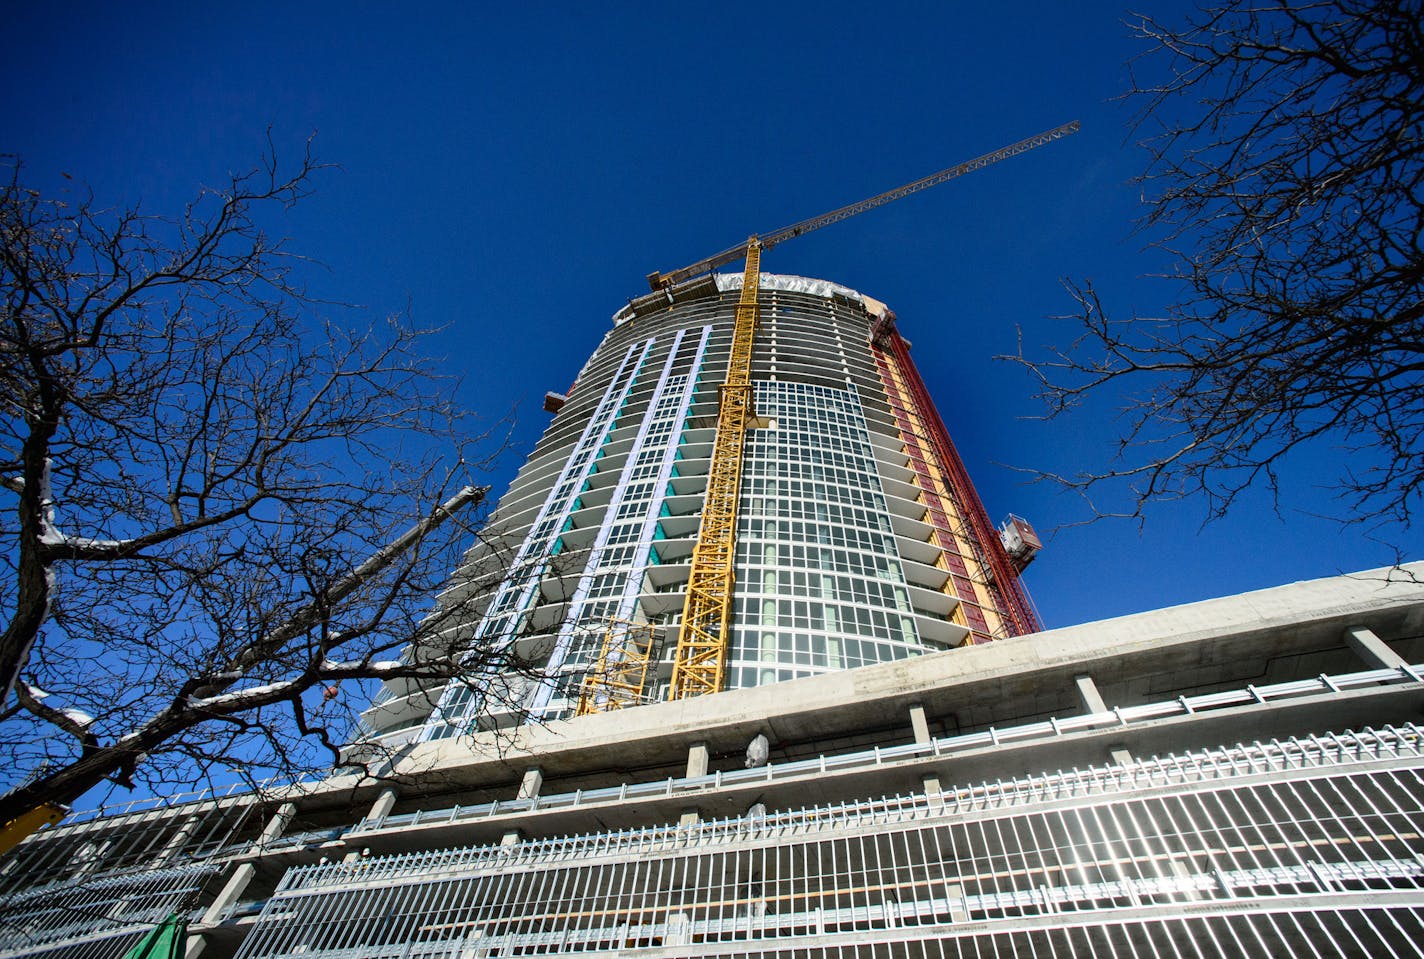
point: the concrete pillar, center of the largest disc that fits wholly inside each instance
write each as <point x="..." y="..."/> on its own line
<point x="696" y="766"/>
<point x="236" y="886"/>
<point x="1182" y="872"/>
<point x="931" y="784"/>
<point x="532" y="782"/>
<point x="1372" y="649"/>
<point x="919" y="724"/>
<point x="1120" y="755"/>
<point x="1088" y="692"/>
<point x="383" y="805"/>
<point x="278" y="824"/>
<point x="179" y="839"/>
<point x="677" y="931"/>
<point x="697" y="760"/>
<point x="242" y="875"/>
<point x="954" y="896"/>
<point x="529" y="787"/>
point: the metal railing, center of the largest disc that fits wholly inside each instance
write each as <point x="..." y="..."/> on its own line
<point x="1322" y="685"/>
<point x="1310" y="752"/>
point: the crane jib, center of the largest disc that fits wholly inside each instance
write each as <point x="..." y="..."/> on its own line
<point x="660" y="281"/>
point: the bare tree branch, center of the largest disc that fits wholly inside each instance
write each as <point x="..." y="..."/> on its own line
<point x="220" y="506"/>
<point x="1286" y="177"/>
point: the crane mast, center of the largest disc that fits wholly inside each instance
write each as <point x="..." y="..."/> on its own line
<point x="699" y="664"/>
<point x="701" y="659"/>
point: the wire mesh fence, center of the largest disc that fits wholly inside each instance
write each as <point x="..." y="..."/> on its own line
<point x="1292" y="846"/>
<point x="88" y="891"/>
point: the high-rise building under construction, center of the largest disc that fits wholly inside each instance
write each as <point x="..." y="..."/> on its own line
<point x="749" y="492"/>
<point x="878" y="779"/>
<point x="859" y="538"/>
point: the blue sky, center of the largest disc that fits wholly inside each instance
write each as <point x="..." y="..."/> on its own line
<point x="511" y="172"/>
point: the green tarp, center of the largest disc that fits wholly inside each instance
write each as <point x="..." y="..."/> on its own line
<point x="164" y="942"/>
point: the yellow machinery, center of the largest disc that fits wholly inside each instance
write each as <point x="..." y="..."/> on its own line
<point x="26" y="823"/>
<point x="700" y="662"/>
<point x="620" y="676"/>
<point x="707" y="616"/>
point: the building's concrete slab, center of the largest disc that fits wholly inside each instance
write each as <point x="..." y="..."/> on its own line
<point x="1183" y="649"/>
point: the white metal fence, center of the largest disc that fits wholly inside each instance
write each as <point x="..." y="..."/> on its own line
<point x="1309" y="844"/>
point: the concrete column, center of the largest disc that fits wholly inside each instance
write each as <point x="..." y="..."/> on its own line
<point x="919" y="724"/>
<point x="90" y="856"/>
<point x="529" y="787"/>
<point x="384" y="803"/>
<point x="931" y="784"/>
<point x="696" y="766"/>
<point x="677" y="931"/>
<point x="532" y="782"/>
<point x="1182" y="872"/>
<point x="957" y="910"/>
<point x="278" y="824"/>
<point x="179" y="839"/>
<point x="1120" y="755"/>
<point x="697" y="760"/>
<point x="236" y="885"/>
<point x="242" y="875"/>
<point x="1088" y="692"/>
<point x="1372" y="649"/>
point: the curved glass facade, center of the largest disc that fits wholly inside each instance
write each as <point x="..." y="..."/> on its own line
<point x="820" y="584"/>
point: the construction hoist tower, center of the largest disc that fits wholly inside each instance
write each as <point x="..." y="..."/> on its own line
<point x="700" y="659"/>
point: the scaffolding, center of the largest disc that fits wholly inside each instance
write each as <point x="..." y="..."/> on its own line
<point x="982" y="576"/>
<point x="1254" y="849"/>
<point x="619" y="678"/>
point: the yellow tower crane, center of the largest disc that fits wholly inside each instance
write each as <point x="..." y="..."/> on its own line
<point x="701" y="658"/>
<point x="700" y="662"/>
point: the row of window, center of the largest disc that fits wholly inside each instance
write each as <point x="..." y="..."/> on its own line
<point x="777" y="488"/>
<point x="823" y="587"/>
<point x="823" y="534"/>
<point x="821" y="511"/>
<point x="830" y="618"/>
<point x="621" y="550"/>
<point x="819" y="584"/>
<point x="757" y="652"/>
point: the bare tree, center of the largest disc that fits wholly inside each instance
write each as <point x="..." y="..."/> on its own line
<point x="1286" y="179"/>
<point x="221" y="508"/>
